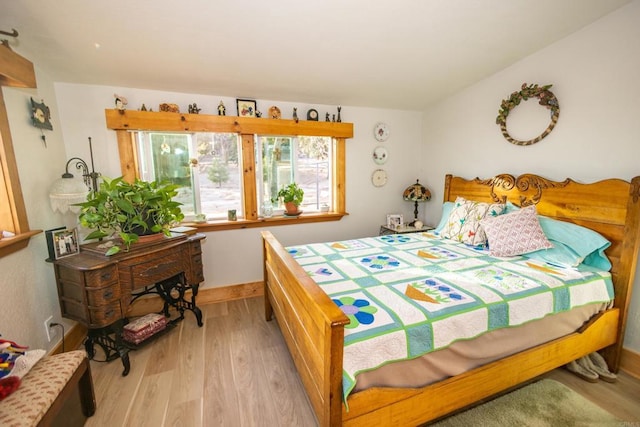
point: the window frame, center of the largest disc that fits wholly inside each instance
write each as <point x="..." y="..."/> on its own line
<point x="127" y="123"/>
<point x="15" y="71"/>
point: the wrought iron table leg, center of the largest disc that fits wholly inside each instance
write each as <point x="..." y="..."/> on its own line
<point x="113" y="346"/>
<point x="173" y="292"/>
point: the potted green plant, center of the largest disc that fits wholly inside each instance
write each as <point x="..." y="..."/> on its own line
<point x="130" y="209"/>
<point x="291" y="196"/>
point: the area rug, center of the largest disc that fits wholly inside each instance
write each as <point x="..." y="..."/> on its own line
<point x="541" y="404"/>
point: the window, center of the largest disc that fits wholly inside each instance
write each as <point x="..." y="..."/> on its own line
<point x="306" y="160"/>
<point x="205" y="166"/>
<point x="237" y="162"/>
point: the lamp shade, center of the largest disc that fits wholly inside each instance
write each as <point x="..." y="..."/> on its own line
<point x="416" y="193"/>
<point x="67" y="191"/>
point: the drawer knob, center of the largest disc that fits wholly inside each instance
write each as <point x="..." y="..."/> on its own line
<point x="108" y="294"/>
<point x="106" y="276"/>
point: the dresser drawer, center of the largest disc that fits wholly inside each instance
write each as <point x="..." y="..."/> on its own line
<point x="102" y="296"/>
<point x="94" y="278"/>
<point x="105" y="315"/>
<point x="74" y="310"/>
<point x="102" y="277"/>
<point x="155" y="270"/>
<point x="71" y="290"/>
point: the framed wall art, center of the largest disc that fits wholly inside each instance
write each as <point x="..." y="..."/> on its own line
<point x="65" y="243"/>
<point x="246" y="107"/>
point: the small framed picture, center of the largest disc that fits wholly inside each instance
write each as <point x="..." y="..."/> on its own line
<point x="246" y="107"/>
<point x="395" y="221"/>
<point x="65" y="243"/>
<point x="49" y="238"/>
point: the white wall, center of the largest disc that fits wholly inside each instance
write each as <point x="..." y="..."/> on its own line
<point x="27" y="283"/>
<point x="234" y="256"/>
<point x="594" y="73"/>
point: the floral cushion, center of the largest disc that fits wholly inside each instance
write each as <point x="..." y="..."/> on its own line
<point x="515" y="233"/>
<point x="463" y="224"/>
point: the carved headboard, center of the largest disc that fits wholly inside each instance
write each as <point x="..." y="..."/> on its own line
<point x="611" y="207"/>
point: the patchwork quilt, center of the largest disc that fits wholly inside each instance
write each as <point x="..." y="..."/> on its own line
<point x="410" y="294"/>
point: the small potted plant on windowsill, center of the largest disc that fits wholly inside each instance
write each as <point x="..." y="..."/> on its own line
<point x="292" y="197"/>
<point x="130" y="210"/>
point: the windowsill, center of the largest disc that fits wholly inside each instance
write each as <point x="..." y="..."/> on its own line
<point x="265" y="222"/>
<point x="9" y="245"/>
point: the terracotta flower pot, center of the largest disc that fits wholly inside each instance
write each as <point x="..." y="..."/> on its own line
<point x="290" y="208"/>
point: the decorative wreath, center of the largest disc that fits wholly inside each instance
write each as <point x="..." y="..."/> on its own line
<point x="546" y="98"/>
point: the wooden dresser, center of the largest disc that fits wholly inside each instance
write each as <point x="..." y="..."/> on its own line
<point x="96" y="290"/>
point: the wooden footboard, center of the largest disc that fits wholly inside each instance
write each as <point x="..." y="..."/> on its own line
<point x="313" y="326"/>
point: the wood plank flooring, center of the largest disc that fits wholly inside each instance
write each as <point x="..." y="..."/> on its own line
<point x="236" y="371"/>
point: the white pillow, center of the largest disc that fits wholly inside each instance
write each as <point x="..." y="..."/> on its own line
<point x="515" y="233"/>
<point x="463" y="224"/>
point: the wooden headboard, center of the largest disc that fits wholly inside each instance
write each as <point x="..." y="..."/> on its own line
<point x="611" y="207"/>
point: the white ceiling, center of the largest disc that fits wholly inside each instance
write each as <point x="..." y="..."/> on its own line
<point x="402" y="54"/>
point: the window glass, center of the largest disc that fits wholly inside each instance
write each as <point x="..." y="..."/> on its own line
<point x="281" y="160"/>
<point x="204" y="165"/>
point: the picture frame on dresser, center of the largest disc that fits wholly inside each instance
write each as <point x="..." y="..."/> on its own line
<point x="48" y="234"/>
<point x="395" y="221"/>
<point x="65" y="243"/>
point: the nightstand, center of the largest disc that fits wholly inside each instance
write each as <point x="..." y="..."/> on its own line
<point x="384" y="230"/>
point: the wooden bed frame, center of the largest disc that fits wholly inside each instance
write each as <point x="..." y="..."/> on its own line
<point x="313" y="326"/>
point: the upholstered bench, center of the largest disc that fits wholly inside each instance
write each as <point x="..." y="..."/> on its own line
<point x="46" y="388"/>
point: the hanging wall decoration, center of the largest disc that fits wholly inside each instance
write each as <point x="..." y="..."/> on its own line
<point x="41" y="118"/>
<point x="545" y="98"/>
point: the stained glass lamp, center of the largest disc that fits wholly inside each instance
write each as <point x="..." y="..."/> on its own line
<point x="416" y="193"/>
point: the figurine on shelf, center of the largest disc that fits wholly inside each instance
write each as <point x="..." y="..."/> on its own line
<point x="295" y="114"/>
<point x="193" y="109"/>
<point x="222" y="110"/>
<point x="169" y="108"/>
<point x="327" y="118"/>
<point x="334" y="118"/>
<point x="143" y="108"/>
<point x="258" y="113"/>
<point x="121" y="102"/>
<point x="339" y="118"/>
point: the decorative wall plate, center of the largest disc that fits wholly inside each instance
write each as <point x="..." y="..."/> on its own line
<point x="381" y="131"/>
<point x="380" y="155"/>
<point x="379" y="177"/>
<point x="274" y="112"/>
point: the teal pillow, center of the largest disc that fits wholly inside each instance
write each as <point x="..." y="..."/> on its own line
<point x="446" y="211"/>
<point x="573" y="245"/>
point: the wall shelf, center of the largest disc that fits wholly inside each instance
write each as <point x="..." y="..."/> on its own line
<point x="178" y="122"/>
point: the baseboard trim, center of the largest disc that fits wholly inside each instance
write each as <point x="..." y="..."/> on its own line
<point x="73" y="339"/>
<point x="205" y="296"/>
<point x="630" y="362"/>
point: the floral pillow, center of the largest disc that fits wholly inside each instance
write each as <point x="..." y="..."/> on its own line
<point x="463" y="224"/>
<point x="515" y="233"/>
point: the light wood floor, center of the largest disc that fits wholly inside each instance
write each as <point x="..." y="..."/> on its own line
<point x="236" y="371"/>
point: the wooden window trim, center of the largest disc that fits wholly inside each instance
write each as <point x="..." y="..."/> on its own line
<point x="127" y="123"/>
<point x="15" y="71"/>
